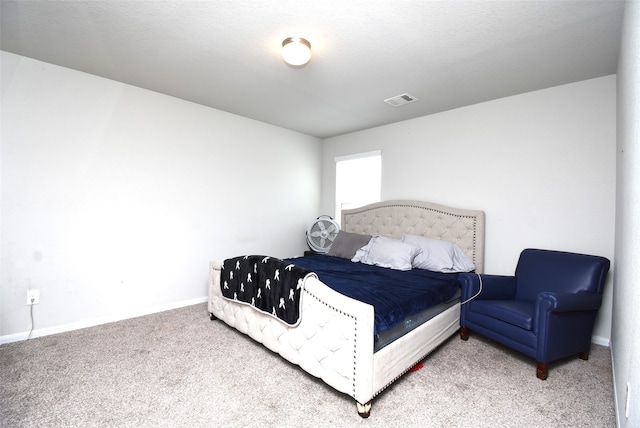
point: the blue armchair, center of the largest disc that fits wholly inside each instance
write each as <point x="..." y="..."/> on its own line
<point x="546" y="310"/>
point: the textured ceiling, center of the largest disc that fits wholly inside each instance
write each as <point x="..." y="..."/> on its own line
<point x="225" y="53"/>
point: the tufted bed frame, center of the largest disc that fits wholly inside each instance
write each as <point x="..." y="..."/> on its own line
<point x="334" y="340"/>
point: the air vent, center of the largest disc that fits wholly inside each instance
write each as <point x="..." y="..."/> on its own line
<point x="401" y="100"/>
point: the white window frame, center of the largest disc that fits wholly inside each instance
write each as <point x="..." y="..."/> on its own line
<point x="364" y="199"/>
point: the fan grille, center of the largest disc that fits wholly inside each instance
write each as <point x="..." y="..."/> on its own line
<point x="321" y="234"/>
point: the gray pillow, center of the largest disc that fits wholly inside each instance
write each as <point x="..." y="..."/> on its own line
<point x="347" y="243"/>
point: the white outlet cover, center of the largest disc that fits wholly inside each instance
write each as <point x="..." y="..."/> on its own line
<point x="33" y="297"/>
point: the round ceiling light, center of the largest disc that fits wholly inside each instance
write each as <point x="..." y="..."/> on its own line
<point x="296" y="51"/>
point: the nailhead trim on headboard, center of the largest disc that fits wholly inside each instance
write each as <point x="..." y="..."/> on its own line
<point x="463" y="227"/>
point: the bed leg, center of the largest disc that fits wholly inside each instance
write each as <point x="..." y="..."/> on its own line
<point x="212" y="317"/>
<point x="464" y="333"/>
<point x="364" y="410"/>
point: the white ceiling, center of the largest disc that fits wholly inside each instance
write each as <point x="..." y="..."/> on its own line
<point x="225" y="53"/>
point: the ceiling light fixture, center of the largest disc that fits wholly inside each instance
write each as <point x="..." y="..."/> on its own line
<point x="296" y="51"/>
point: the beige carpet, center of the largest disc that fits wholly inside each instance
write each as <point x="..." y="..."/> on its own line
<point x="179" y="369"/>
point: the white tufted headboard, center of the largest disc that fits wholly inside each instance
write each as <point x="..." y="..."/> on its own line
<point x="463" y="227"/>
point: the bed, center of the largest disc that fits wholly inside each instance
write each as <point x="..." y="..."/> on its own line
<point x="334" y="338"/>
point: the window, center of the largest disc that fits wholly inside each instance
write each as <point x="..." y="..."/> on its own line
<point x="358" y="179"/>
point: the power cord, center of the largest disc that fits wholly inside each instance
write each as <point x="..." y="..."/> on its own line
<point x="477" y="294"/>
<point x="31" y="316"/>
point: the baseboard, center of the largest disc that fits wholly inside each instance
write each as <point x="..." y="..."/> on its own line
<point x="97" y="321"/>
<point x="603" y="341"/>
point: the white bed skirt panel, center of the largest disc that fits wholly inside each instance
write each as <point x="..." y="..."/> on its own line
<point x="393" y="360"/>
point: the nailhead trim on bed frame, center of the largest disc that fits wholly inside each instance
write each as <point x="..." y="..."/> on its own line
<point x="403" y="373"/>
<point x="355" y="335"/>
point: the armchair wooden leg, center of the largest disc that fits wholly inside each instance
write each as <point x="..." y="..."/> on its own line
<point x="542" y="370"/>
<point x="584" y="355"/>
<point x="464" y="333"/>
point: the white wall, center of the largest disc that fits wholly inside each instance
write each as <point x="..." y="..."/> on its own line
<point x="625" y="343"/>
<point x="541" y="165"/>
<point x="112" y="195"/>
<point x="115" y="198"/>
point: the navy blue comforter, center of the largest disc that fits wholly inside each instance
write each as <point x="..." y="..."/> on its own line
<point x="393" y="294"/>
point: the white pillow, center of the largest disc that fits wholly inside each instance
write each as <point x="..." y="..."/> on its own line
<point x="387" y="252"/>
<point x="461" y="263"/>
<point x="438" y="255"/>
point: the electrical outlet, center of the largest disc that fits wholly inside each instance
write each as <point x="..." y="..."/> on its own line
<point x="33" y="297"/>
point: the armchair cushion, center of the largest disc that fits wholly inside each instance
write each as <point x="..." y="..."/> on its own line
<point x="514" y="312"/>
